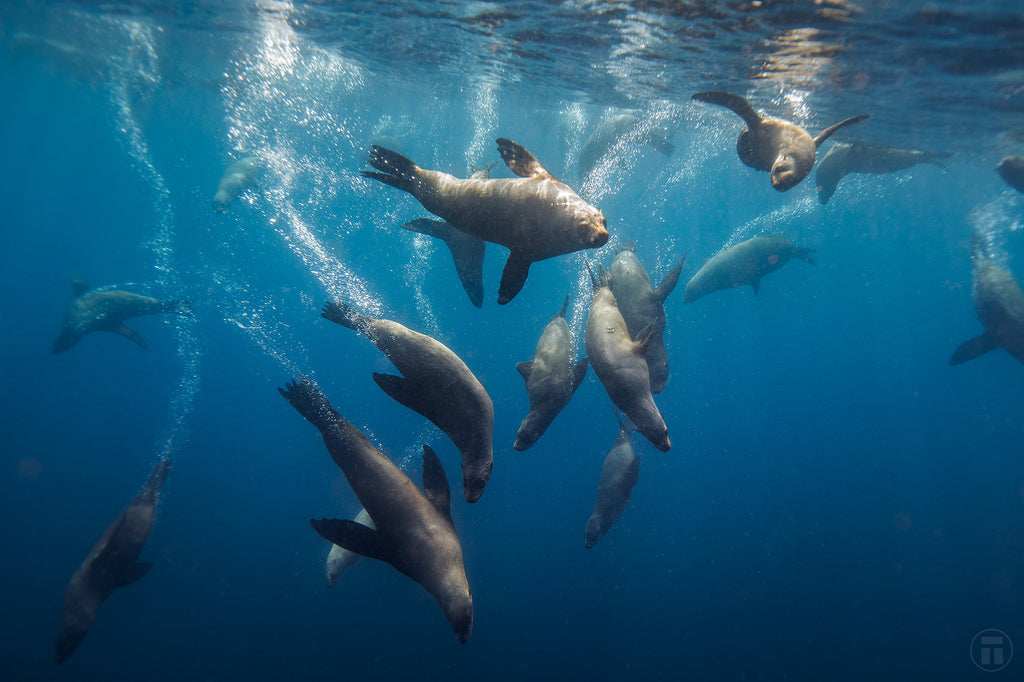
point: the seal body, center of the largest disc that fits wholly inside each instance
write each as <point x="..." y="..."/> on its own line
<point x="110" y="564"/>
<point x="610" y="131"/>
<point x="744" y="263"/>
<point x="414" y="531"/>
<point x="619" y="475"/>
<point x="1011" y="169"/>
<point x="95" y="311"/>
<point x="436" y="383"/>
<point x="999" y="303"/>
<point x="784" y="149"/>
<point x="535" y="216"/>
<point x="339" y="558"/>
<point x="551" y="379"/>
<point x="619" y="363"/>
<point x="236" y="179"/>
<point x="641" y="305"/>
<point x="859" y="157"/>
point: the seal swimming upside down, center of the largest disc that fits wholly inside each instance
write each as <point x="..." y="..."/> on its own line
<point x="860" y="157"/>
<point x="535" y="216"/>
<point x="744" y="263"/>
<point x="619" y="474"/>
<point x="782" y="148"/>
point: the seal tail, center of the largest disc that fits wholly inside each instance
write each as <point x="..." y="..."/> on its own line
<point x="339" y="312"/>
<point x="398" y="171"/>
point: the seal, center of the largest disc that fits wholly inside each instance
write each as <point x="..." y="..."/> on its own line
<point x="744" y="263"/>
<point x="105" y="311"/>
<point x="608" y="132"/>
<point x="467" y="251"/>
<point x="619" y="475"/>
<point x="999" y="303"/>
<point x="535" y="216"/>
<point x="1011" y="168"/>
<point x="860" y="157"/>
<point x="618" y="361"/>
<point x="339" y="558"/>
<point x="436" y="383"/>
<point x="551" y="379"/>
<point x="110" y="564"/>
<point x="641" y="305"/>
<point x="236" y="179"/>
<point x="414" y="531"/>
<point x="782" y="148"/>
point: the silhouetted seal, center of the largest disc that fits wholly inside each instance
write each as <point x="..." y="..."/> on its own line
<point x="414" y="530"/>
<point x="534" y="215"/>
<point x="106" y="311"/>
<point x="235" y="180"/>
<point x="641" y="305"/>
<point x="859" y="157"/>
<point x="551" y="379"/>
<point x="619" y="475"/>
<point x="339" y="558"/>
<point x="782" y="148"/>
<point x="744" y="263"/>
<point x="436" y="383"/>
<point x="618" y="361"/>
<point x="110" y="564"/>
<point x="999" y="302"/>
<point x="608" y="132"/>
<point x="1011" y="169"/>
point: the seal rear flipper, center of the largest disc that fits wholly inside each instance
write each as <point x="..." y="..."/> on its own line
<point x="525" y="369"/>
<point x="827" y="132"/>
<point x="668" y="283"/>
<point x="310" y="402"/>
<point x="132" y="335"/>
<point x="737" y="104"/>
<point x="435" y="484"/>
<point x="659" y="140"/>
<point x="804" y="254"/>
<point x="134" y="572"/>
<point x="579" y="371"/>
<point x="355" y="537"/>
<point x="520" y="161"/>
<point x="974" y="348"/>
<point x="156" y="479"/>
<point x="513" y="277"/>
<point x="402" y="392"/>
<point x="398" y="171"/>
<point x="339" y="312"/>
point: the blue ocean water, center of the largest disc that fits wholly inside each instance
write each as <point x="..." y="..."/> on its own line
<point x="839" y="503"/>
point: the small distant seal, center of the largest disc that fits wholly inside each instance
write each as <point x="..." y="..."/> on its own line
<point x="618" y="361"/>
<point x="236" y="179"/>
<point x="782" y="148"/>
<point x="619" y="475"/>
<point x="1011" y="169"/>
<point x="110" y="564"/>
<point x="436" y="383"/>
<point x="641" y="305"/>
<point x="744" y="263"/>
<point x="339" y="558"/>
<point x="860" y="157"/>
<point x="414" y="530"/>
<point x="999" y="302"/>
<point x="535" y="216"/>
<point x="467" y="251"/>
<point x="106" y="311"/>
<point x="608" y="132"/>
<point x="551" y="379"/>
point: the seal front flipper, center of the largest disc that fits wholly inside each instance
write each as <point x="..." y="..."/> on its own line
<point x="520" y="161"/>
<point x="132" y="335"/>
<point x="827" y="132"/>
<point x="435" y="484"/>
<point x="134" y="572"/>
<point x="668" y="284"/>
<point x="579" y="371"/>
<point x="404" y="393"/>
<point x="974" y="348"/>
<point x="756" y="286"/>
<point x="737" y="104"/>
<point x="355" y="537"/>
<point x="525" y="369"/>
<point x="467" y="253"/>
<point x="513" y="277"/>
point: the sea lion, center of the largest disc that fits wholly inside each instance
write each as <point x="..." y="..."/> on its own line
<point x="744" y="263"/>
<point x="110" y="564"/>
<point x="339" y="558"/>
<point x="1011" y="169"/>
<point x="999" y="302"/>
<point x="467" y="251"/>
<point x="608" y="132"/>
<point x="436" y="383"/>
<point x="782" y="148"/>
<point x="641" y="305"/>
<point x="236" y="179"/>
<point x="106" y="311"/>
<point x="618" y="361"/>
<point x="551" y="379"/>
<point x="414" y="531"/>
<point x="535" y="216"/>
<point x="619" y="474"/>
<point x="860" y="157"/>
